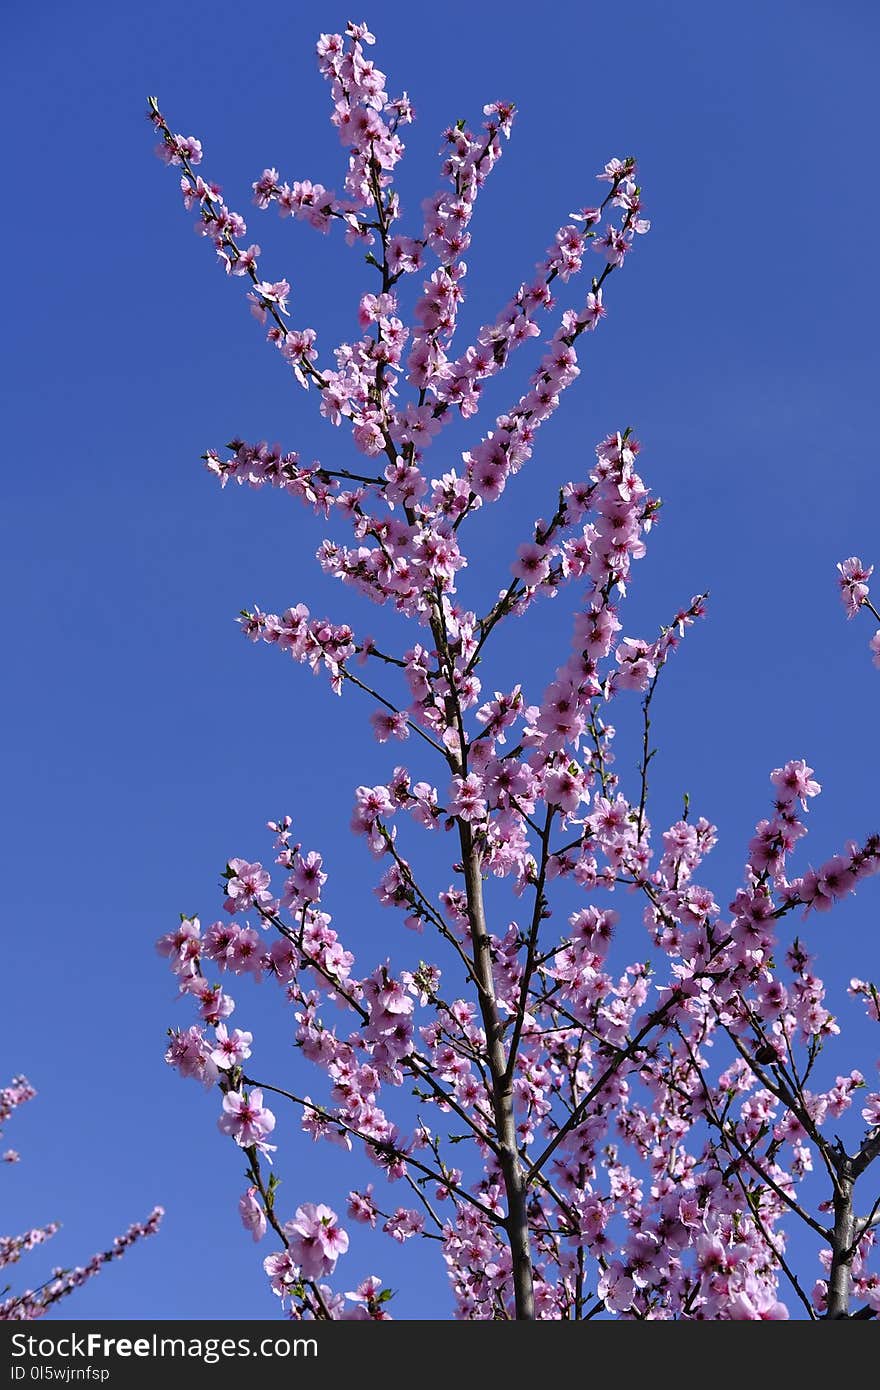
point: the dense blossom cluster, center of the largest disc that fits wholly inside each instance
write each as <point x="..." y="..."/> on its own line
<point x="35" y="1303"/>
<point x="612" y="1119"/>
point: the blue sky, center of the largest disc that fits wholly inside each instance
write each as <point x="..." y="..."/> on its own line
<point x="147" y="742"/>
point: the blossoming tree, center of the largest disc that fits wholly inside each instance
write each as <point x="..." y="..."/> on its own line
<point x="588" y="1140"/>
<point x="35" y="1303"/>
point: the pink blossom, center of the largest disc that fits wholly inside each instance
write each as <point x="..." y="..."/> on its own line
<point x="637" y="667"/>
<point x="230" y="1049"/>
<point x="755" y="1307"/>
<point x="389" y="725"/>
<point x="182" y="946"/>
<point x="853" y="581"/>
<point x="532" y="564"/>
<point x="616" y="1289"/>
<point x="307" y="878"/>
<point x="565" y="787"/>
<point x="247" y="885"/>
<point x="282" y="1271"/>
<point x="361" y="1207"/>
<point x="467" y="799"/>
<point x="871" y="1109"/>
<point x="190" y="1053"/>
<point x="245" y="1118"/>
<point x="253" y="1217"/>
<point x="404" y="1223"/>
<point x="795" y="782"/>
<point x="316" y="1240"/>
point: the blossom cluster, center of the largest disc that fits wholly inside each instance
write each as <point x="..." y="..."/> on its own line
<point x="617" y="1108"/>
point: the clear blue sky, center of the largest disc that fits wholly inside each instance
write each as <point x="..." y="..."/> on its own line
<point x="146" y="742"/>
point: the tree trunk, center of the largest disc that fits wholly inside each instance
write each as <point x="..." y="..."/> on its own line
<point x="516" y="1225"/>
<point x="840" y="1276"/>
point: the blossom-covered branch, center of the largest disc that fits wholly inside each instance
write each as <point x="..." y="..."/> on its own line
<point x="596" y="1110"/>
<point x="36" y="1302"/>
